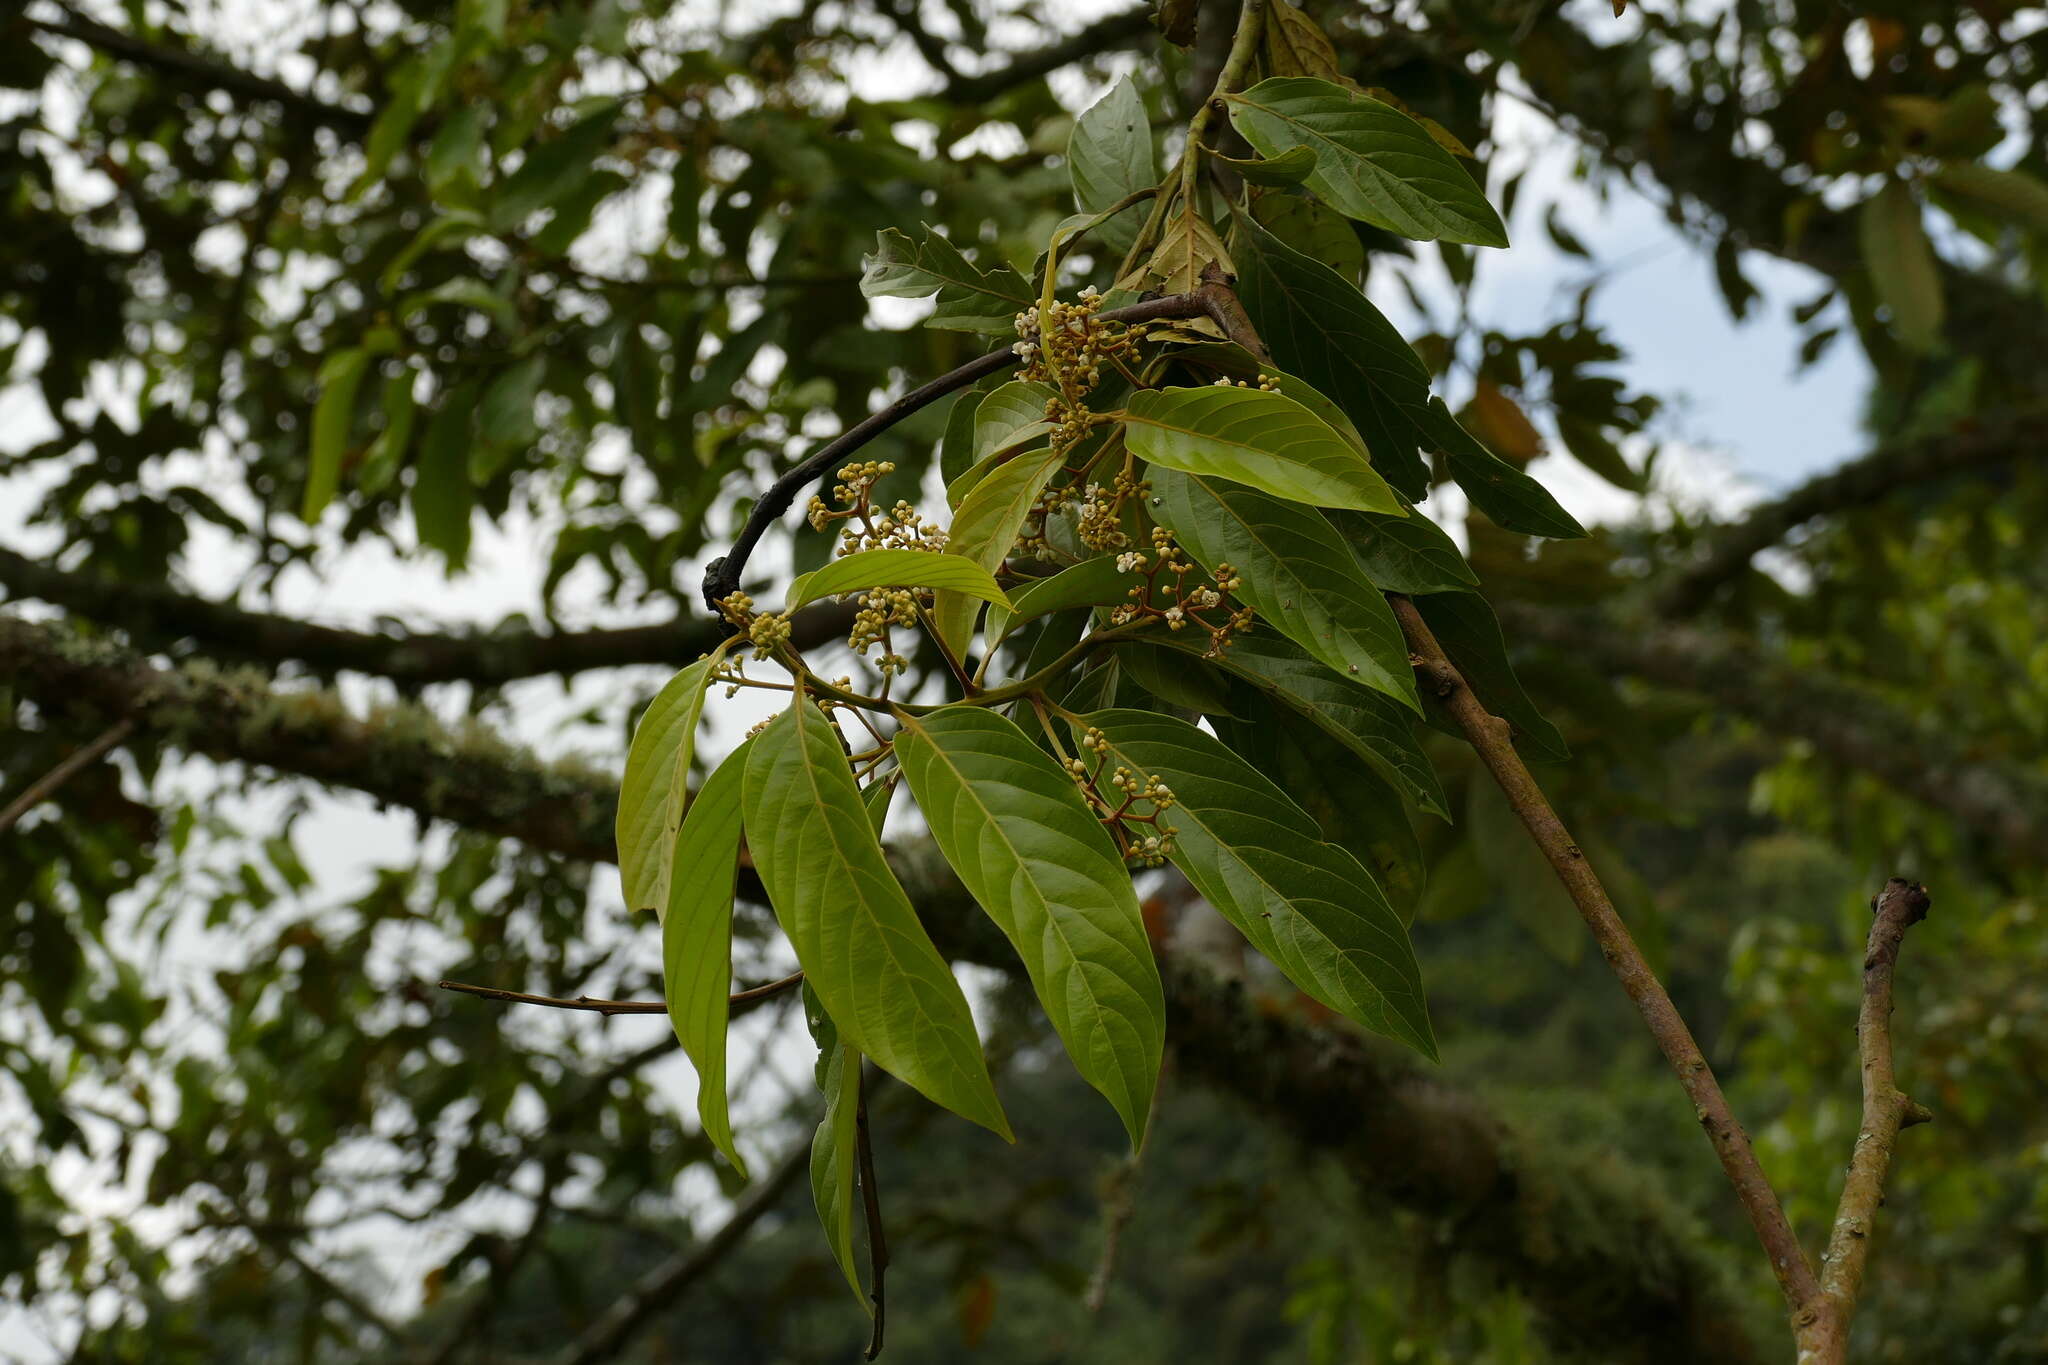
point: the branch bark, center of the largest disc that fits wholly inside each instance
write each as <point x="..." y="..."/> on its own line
<point x="1104" y="35"/>
<point x="1490" y="738"/>
<point x="75" y="762"/>
<point x="1886" y="1111"/>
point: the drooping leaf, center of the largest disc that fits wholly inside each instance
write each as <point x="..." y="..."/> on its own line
<point x="1593" y="448"/>
<point x="1308" y="225"/>
<point x="554" y="171"/>
<point x="1030" y="850"/>
<point x="341" y="374"/>
<point x="696" y="940"/>
<point x="970" y="299"/>
<point x="894" y="569"/>
<point x="982" y="533"/>
<point x="1296" y="573"/>
<point x="655" y="786"/>
<point x="1092" y="582"/>
<point x="1309" y="906"/>
<point x="1296" y="46"/>
<point x="1234" y="361"/>
<point x="442" y="494"/>
<point x="855" y="934"/>
<point x="1470" y="634"/>
<point x="1265" y="440"/>
<point x="1901" y="264"/>
<point x="1013" y="415"/>
<point x="1290" y="167"/>
<point x="504" y="420"/>
<point x="835" y="1150"/>
<point x="2012" y="196"/>
<point x="1512" y="499"/>
<point x="1110" y="158"/>
<point x="1410" y="554"/>
<point x="1370" y="724"/>
<point x="1323" y="329"/>
<point x="1373" y="162"/>
<point x="1186" y="250"/>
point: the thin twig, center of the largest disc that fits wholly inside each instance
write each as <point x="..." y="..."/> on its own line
<point x="1120" y="1200"/>
<point x="1886" y="1111"/>
<point x="1490" y="738"/>
<point x="871" y="1206"/>
<point x="660" y="1288"/>
<point x="73" y="763"/>
<point x="609" y="1007"/>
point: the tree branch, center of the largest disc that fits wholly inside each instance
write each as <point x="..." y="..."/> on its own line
<point x="1886" y="1110"/>
<point x="660" y="1288"/>
<point x="737" y="1001"/>
<point x="75" y="762"/>
<point x="1117" y="30"/>
<point x="1872" y="478"/>
<point x="1489" y="737"/>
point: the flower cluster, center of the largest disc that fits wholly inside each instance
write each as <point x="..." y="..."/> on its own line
<point x="1101" y="512"/>
<point x="1147" y="848"/>
<point x="1266" y="383"/>
<point x="1066" y="347"/>
<point x="1167" y="594"/>
<point x="767" y="631"/>
<point x="880" y="609"/>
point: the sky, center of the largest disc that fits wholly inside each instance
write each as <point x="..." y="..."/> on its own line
<point x="1741" y="425"/>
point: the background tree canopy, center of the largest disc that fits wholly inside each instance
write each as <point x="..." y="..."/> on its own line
<point x="380" y="378"/>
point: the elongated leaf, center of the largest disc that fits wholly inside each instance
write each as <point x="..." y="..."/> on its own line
<point x="1253" y="854"/>
<point x="1091" y="583"/>
<point x="970" y="299"/>
<point x="1290" y="167"/>
<point x="504" y="420"/>
<point x="1410" y="554"/>
<point x="1296" y="573"/>
<point x="655" y="786"/>
<point x="696" y="941"/>
<point x="1356" y="808"/>
<point x="1110" y="158"/>
<point x="1323" y="329"/>
<point x="1510" y="498"/>
<point x="1265" y="440"/>
<point x="1373" y="162"/>
<point x="895" y="569"/>
<point x="1370" y="724"/>
<point x="554" y="171"/>
<point x="442" y="495"/>
<point x="341" y="374"/>
<point x="1234" y="361"/>
<point x="1466" y="627"/>
<point x="1308" y="225"/>
<point x="2013" y="196"/>
<point x="1031" y="852"/>
<point x="835" y="1150"/>
<point x="1012" y="416"/>
<point x="855" y="934"/>
<point x="982" y="533"/>
<point x="1901" y="264"/>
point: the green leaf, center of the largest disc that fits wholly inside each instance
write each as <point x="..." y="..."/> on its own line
<point x="1510" y="498"/>
<point x="442" y="495"/>
<point x="1290" y="167"/>
<point x="1593" y="448"/>
<point x="1323" y="329"/>
<point x="696" y="940"/>
<point x="1012" y="416"/>
<point x="982" y="533"/>
<point x="835" y="1151"/>
<point x="384" y="455"/>
<point x="573" y="212"/>
<point x="1373" y="162"/>
<point x="854" y="931"/>
<point x="1309" y="906"/>
<point x="1034" y="856"/>
<point x="454" y="156"/>
<point x="1370" y="724"/>
<point x="469" y="293"/>
<point x="554" y="172"/>
<point x="1410" y="554"/>
<point x="1356" y="808"/>
<point x="2014" y="196"/>
<point x="1306" y="224"/>
<point x="1110" y="158"/>
<point x="1230" y="359"/>
<point x="895" y="569"/>
<point x="1901" y="265"/>
<point x="655" y="786"/>
<point x="341" y="374"/>
<point x="956" y="447"/>
<point x="970" y="299"/>
<point x="1470" y="634"/>
<point x="452" y="229"/>
<point x="1296" y="573"/>
<point x="504" y="420"/>
<point x="876" y="796"/>
<point x="1254" y="437"/>
<point x="1091" y="583"/>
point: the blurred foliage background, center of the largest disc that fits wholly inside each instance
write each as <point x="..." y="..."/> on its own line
<point x="517" y="291"/>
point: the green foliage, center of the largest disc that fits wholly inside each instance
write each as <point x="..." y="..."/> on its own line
<point x="696" y="939"/>
<point x="1250" y="436"/>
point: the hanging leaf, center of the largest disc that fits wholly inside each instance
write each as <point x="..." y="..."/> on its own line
<point x="1901" y="265"/>
<point x="554" y="171"/>
<point x="1290" y="167"/>
<point x="1503" y="425"/>
<point x="1307" y="225"/>
<point x="1110" y="158"/>
<point x="835" y="1150"/>
<point x="2012" y="196"/>
<point x="655" y="786"/>
<point x="341" y="374"/>
<point x="1092" y="582"/>
<point x="442" y="494"/>
<point x="1186" y="250"/>
<point x="696" y="941"/>
<point x="894" y="569"/>
<point x="1229" y="359"/>
<point x="970" y="299"/>
<point x="1593" y="448"/>
<point x="504" y="420"/>
<point x="855" y="934"/>
<point x="1296" y="46"/>
<point x="1255" y="437"/>
<point x="1410" y="554"/>
<point x="983" y="531"/>
<point x="1323" y="329"/>
<point x="1373" y="162"/>
<point x="1015" y="827"/>
<point x="1310" y="907"/>
<point x="1513" y="500"/>
<point x="1295" y="572"/>
<point x="1470" y="634"/>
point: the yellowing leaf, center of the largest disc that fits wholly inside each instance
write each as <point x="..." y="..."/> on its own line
<point x="1901" y="265"/>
